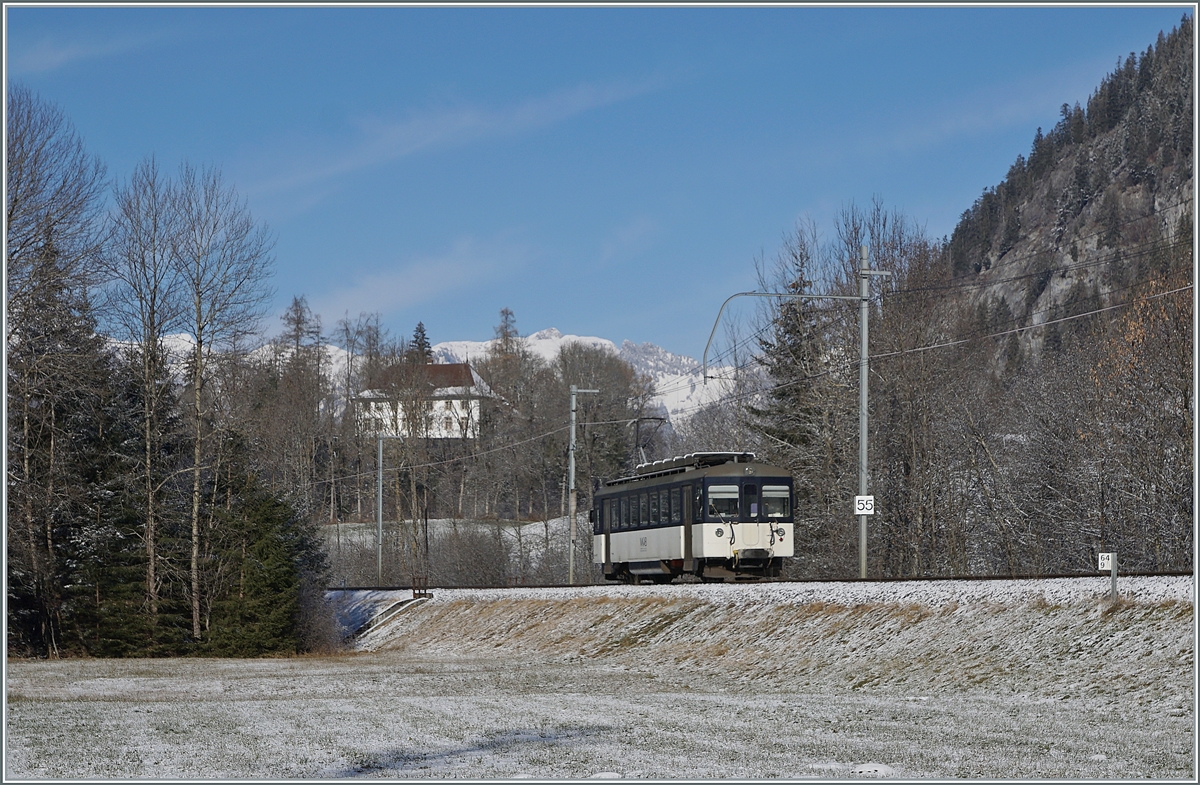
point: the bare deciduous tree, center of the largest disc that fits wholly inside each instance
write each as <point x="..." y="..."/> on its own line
<point x="52" y="195"/>
<point x="224" y="260"/>
<point x="144" y="304"/>
<point x="53" y="192"/>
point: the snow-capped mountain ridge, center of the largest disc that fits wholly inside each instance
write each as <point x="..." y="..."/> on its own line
<point x="677" y="378"/>
<point x="544" y="343"/>
<point x="653" y="360"/>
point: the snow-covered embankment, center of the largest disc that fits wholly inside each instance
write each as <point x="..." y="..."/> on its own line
<point x="1055" y="637"/>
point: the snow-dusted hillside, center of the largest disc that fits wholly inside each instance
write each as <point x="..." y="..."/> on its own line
<point x="544" y="343"/>
<point x="178" y="349"/>
<point x="677" y="378"/>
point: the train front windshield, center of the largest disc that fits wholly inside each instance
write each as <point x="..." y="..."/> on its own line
<point x="776" y="501"/>
<point x="723" y="501"/>
<point x="753" y="500"/>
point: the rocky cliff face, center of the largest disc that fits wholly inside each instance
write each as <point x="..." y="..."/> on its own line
<point x="1096" y="205"/>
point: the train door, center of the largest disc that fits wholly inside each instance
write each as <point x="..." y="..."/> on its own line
<point x="750" y="534"/>
<point x="688" y="562"/>
<point x="750" y="502"/>
<point x="606" y="516"/>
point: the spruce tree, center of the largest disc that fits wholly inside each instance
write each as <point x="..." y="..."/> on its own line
<point x="273" y="570"/>
<point x="419" y="350"/>
<point x="57" y="367"/>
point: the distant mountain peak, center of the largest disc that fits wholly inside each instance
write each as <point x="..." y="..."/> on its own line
<point x="549" y="334"/>
<point x="653" y="360"/>
<point x="677" y="377"/>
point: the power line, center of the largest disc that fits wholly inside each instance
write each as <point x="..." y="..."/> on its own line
<point x="1015" y="319"/>
<point x="838" y="318"/>
<point x="977" y="335"/>
<point x="947" y="344"/>
<point x="1031" y="326"/>
<point x="1117" y="255"/>
<point x="1126" y="253"/>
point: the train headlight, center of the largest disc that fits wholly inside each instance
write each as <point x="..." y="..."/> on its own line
<point x="719" y="532"/>
<point x="780" y="532"/>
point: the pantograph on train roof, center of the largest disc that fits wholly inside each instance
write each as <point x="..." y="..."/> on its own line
<point x="681" y="463"/>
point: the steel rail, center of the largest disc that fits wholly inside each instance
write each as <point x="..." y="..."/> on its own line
<point x="925" y="578"/>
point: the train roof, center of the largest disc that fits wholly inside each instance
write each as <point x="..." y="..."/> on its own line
<point x="684" y="463"/>
<point x="693" y="460"/>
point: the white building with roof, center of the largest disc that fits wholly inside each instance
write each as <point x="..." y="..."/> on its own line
<point x="431" y="401"/>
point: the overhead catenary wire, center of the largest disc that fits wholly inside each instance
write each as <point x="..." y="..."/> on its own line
<point x="1046" y="323"/>
<point x="1124" y="254"/>
<point x="884" y="355"/>
<point x="844" y="314"/>
<point x="840" y="312"/>
<point x="782" y="385"/>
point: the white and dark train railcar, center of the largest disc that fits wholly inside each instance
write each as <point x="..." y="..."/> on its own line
<point x="718" y="515"/>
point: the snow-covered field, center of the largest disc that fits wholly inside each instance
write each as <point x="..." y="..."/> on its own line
<point x="994" y="679"/>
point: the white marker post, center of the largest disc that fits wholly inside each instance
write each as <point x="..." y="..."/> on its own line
<point x="1108" y="561"/>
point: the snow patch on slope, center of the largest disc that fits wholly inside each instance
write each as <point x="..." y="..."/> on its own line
<point x="679" y="383"/>
<point x="678" y="379"/>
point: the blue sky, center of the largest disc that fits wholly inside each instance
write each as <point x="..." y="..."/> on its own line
<point x="605" y="171"/>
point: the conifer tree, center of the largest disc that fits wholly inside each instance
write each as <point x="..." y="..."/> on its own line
<point x="419" y="350"/>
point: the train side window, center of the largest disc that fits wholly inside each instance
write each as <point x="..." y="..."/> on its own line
<point x="676" y="506"/>
<point x="624" y="512"/>
<point x="643" y="514"/>
<point x="698" y="505"/>
<point x="653" y="507"/>
<point x="776" y="501"/>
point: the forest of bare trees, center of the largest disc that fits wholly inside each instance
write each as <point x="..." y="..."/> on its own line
<point x="987" y="457"/>
<point x="508" y="484"/>
<point x="177" y="483"/>
<point x="1031" y="377"/>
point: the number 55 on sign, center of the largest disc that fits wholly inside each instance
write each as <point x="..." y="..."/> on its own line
<point x="864" y="505"/>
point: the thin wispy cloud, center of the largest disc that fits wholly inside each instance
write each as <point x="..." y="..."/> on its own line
<point x="1021" y="104"/>
<point x="50" y="54"/>
<point x="406" y="283"/>
<point x="379" y="140"/>
<point x="628" y="239"/>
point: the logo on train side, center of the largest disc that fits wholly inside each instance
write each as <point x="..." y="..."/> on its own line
<point x="644" y="542"/>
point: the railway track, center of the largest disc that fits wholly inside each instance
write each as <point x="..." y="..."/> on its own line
<point x="965" y="578"/>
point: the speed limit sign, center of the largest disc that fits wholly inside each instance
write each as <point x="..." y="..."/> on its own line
<point x="864" y="505"/>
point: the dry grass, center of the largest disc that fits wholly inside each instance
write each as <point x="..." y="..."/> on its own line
<point x="678" y="683"/>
